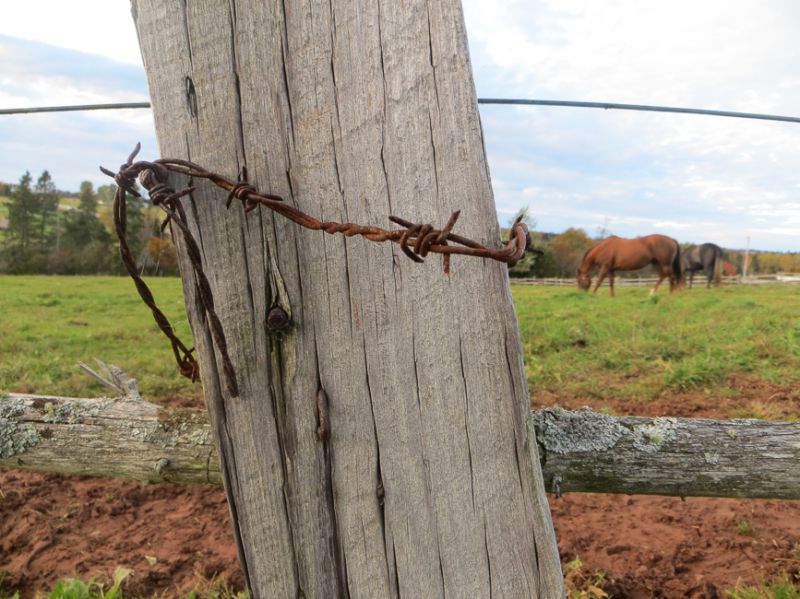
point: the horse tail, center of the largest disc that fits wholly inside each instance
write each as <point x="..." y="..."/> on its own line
<point x="677" y="272"/>
<point x="717" y="265"/>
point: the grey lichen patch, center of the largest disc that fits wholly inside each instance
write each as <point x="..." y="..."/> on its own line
<point x="73" y="412"/>
<point x="163" y="434"/>
<point x="562" y="431"/>
<point x="61" y="413"/>
<point x="200" y="437"/>
<point x="11" y="407"/>
<point x="650" y="438"/>
<point x="148" y="432"/>
<point x="15" y="438"/>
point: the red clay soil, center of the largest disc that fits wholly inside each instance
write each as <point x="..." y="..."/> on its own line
<point x="176" y="538"/>
<point x="173" y="537"/>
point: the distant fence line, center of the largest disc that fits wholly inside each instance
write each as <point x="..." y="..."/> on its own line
<point x="649" y="281"/>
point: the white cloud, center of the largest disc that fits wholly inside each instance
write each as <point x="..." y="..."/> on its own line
<point x="698" y="178"/>
<point x="102" y="27"/>
<point x="695" y="177"/>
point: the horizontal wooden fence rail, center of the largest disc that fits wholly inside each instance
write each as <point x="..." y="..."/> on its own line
<point x="588" y="451"/>
<point x="699" y="281"/>
<point x="581" y="451"/>
<point x="126" y="437"/>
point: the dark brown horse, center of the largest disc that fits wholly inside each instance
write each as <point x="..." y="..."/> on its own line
<point x="706" y="257"/>
<point x="617" y="253"/>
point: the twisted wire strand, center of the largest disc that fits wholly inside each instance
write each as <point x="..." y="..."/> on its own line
<point x="416" y="240"/>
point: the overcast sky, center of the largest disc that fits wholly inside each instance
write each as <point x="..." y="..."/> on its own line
<point x="693" y="177"/>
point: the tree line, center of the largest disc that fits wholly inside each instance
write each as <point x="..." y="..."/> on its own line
<point x="47" y="231"/>
<point x="53" y="232"/>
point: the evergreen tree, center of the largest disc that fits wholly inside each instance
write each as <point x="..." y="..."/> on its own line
<point x="83" y="226"/>
<point x="47" y="204"/>
<point x="17" y="250"/>
<point x="86" y="244"/>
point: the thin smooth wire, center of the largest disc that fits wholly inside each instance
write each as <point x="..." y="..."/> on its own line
<point x="641" y="107"/>
<point x="484" y="101"/>
<point x="75" y="108"/>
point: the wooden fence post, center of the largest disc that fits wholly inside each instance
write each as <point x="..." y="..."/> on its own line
<point x="414" y="478"/>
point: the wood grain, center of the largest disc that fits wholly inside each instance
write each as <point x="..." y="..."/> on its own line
<point x="352" y="111"/>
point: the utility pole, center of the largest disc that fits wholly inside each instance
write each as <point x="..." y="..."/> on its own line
<point x="746" y="258"/>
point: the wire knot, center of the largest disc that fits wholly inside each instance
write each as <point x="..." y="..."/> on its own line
<point x="241" y="191"/>
<point x="424" y="237"/>
<point x="189" y="367"/>
<point x="244" y="192"/>
<point x="154" y="180"/>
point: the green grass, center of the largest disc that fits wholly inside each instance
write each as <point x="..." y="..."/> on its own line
<point x="635" y="345"/>
<point x="75" y="588"/>
<point x="780" y="588"/>
<point x="50" y="323"/>
<point x="574" y="343"/>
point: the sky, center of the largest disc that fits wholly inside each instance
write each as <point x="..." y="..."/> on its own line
<point x="697" y="178"/>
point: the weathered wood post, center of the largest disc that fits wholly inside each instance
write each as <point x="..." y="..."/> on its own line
<point x="353" y="110"/>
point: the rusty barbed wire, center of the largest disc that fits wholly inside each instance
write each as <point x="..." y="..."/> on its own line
<point x="416" y="240"/>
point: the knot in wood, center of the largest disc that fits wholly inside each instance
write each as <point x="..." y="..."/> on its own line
<point x="277" y="319"/>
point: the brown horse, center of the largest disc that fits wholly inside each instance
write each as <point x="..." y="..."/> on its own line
<point x="616" y="253"/>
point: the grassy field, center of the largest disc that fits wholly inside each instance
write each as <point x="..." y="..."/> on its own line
<point x="639" y="346"/>
<point x="50" y="323"/>
<point x="576" y="344"/>
<point x="632" y="346"/>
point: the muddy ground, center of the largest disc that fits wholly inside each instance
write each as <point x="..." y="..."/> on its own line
<point x="176" y="538"/>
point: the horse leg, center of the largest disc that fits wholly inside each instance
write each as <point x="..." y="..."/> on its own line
<point x="600" y="276"/>
<point x="661" y="277"/>
<point x="691" y="278"/>
<point x="611" y="282"/>
<point x="673" y="283"/>
<point x="709" y="275"/>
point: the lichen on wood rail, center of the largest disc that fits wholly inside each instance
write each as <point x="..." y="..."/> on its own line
<point x="123" y="437"/>
<point x="587" y="451"/>
<point x="580" y="451"/>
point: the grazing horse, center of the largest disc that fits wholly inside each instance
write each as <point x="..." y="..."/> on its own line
<point x="617" y="253"/>
<point x="706" y="257"/>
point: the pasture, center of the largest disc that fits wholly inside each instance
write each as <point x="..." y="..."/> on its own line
<point x="727" y="352"/>
<point x="637" y="347"/>
<point x="52" y="322"/>
<point x="576" y="345"/>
